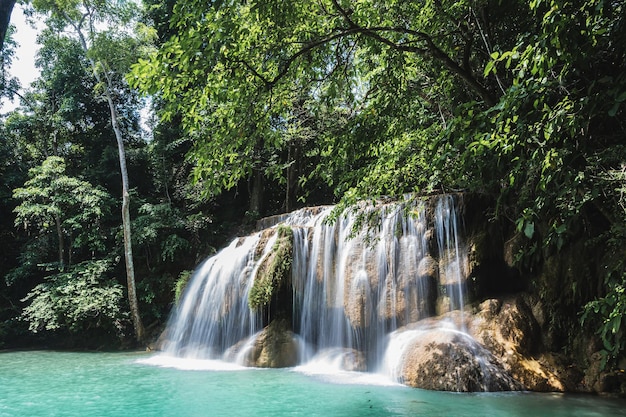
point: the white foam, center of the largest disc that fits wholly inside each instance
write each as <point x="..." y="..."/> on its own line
<point x="327" y="366"/>
<point x="347" y="377"/>
<point x="189" y="364"/>
<point x="394" y="356"/>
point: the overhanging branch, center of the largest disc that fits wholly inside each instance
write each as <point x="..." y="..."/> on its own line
<point x="420" y="43"/>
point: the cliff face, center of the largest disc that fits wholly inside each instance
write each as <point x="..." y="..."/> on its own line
<point x="529" y="314"/>
<point x="424" y="290"/>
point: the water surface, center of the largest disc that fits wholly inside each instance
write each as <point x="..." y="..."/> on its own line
<point x="44" y="383"/>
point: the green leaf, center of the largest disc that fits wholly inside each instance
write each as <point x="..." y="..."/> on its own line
<point x="489" y="68"/>
<point x="529" y="229"/>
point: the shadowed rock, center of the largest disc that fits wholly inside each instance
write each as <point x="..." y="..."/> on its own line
<point x="276" y="346"/>
<point x="448" y="360"/>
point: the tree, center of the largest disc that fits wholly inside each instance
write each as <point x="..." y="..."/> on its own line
<point x="81" y="301"/>
<point x="64" y="116"/>
<point x="109" y="52"/>
<point x="78" y="295"/>
<point x="52" y="201"/>
<point x="552" y="152"/>
<point x="9" y="86"/>
<point x="239" y="74"/>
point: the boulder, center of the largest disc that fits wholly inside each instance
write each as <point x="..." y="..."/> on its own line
<point x="427" y="267"/>
<point x="276" y="346"/>
<point x="509" y="330"/>
<point x="358" y="300"/>
<point x="448" y="360"/>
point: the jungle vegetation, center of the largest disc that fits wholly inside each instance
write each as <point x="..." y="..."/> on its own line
<point x="260" y="107"/>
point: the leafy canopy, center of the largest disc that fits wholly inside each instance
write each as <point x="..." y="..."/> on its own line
<point x="237" y="74"/>
<point x="77" y="301"/>
<point x="50" y="196"/>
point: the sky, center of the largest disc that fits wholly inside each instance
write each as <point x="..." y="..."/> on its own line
<point x="24" y="62"/>
<point x="23" y="66"/>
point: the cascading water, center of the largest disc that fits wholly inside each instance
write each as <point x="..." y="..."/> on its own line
<point x="355" y="283"/>
<point x="213" y="313"/>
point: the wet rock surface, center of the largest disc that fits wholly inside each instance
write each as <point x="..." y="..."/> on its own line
<point x="448" y="360"/>
<point x="275" y="347"/>
<point x="508" y="329"/>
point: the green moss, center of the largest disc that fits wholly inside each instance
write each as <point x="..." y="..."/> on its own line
<point x="274" y="271"/>
<point x="181" y="283"/>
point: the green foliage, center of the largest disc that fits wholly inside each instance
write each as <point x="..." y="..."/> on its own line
<point x="52" y="202"/>
<point x="244" y="78"/>
<point x="77" y="301"/>
<point x="552" y="149"/>
<point x="274" y="271"/>
<point x="181" y="283"/>
<point x="608" y="313"/>
<point x="547" y="144"/>
<point x="100" y="29"/>
<point x="160" y="224"/>
<point x="9" y="86"/>
<point x="63" y="117"/>
<point x="63" y="114"/>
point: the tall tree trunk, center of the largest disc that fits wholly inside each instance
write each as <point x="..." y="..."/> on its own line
<point x="61" y="242"/>
<point x="257" y="189"/>
<point x="128" y="247"/>
<point x="291" y="176"/>
<point x="6" y="8"/>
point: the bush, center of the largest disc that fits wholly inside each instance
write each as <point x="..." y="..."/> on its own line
<point x="80" y="300"/>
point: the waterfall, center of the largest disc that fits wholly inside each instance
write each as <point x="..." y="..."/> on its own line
<point x="213" y="312"/>
<point x="354" y="282"/>
<point x="452" y="255"/>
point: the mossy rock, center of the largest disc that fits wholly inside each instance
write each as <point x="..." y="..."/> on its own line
<point x="275" y="347"/>
<point x="274" y="271"/>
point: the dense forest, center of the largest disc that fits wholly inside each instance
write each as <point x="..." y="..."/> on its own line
<point x="156" y="131"/>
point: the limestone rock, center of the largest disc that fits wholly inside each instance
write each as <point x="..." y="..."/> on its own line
<point x="357" y="302"/>
<point x="427" y="267"/>
<point x="274" y="272"/>
<point x="447" y="360"/>
<point x="597" y="379"/>
<point x="517" y="324"/>
<point x="453" y="268"/>
<point x="509" y="330"/>
<point x="275" y="347"/>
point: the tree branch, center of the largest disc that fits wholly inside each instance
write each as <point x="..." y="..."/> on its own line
<point x="428" y="47"/>
<point x="285" y="65"/>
